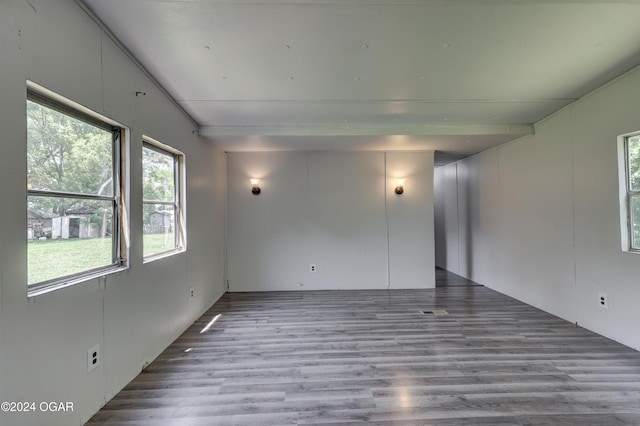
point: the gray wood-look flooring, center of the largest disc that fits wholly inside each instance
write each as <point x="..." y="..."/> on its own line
<point x="372" y="358"/>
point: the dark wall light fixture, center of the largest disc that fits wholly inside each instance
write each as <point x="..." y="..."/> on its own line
<point x="399" y="186"/>
<point x="255" y="189"/>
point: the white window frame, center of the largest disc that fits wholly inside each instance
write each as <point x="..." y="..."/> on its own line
<point x="625" y="194"/>
<point x="119" y="198"/>
<point x="179" y="201"/>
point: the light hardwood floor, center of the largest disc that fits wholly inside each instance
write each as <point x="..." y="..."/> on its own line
<point x="372" y="358"/>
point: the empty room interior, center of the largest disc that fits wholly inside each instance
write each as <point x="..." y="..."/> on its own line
<point x="313" y="212"/>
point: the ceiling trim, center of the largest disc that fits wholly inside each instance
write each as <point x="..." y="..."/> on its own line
<point x="400" y="2"/>
<point x="355" y="130"/>
<point x="384" y="101"/>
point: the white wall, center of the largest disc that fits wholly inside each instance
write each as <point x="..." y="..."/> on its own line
<point x="336" y="210"/>
<point x="538" y="219"/>
<point x="410" y="218"/>
<point x="446" y="217"/>
<point x="135" y="314"/>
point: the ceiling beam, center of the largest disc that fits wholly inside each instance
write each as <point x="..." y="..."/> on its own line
<point x="355" y="130"/>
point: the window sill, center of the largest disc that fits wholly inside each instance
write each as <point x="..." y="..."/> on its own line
<point x="162" y="255"/>
<point x="64" y="283"/>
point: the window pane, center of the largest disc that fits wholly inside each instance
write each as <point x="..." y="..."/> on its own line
<point x="633" y="151"/>
<point x="65" y="154"/>
<point x="67" y="236"/>
<point x="158" y="176"/>
<point x="634" y="202"/>
<point x="159" y="229"/>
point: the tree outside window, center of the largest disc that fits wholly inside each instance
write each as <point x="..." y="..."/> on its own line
<point x="633" y="189"/>
<point x="72" y="192"/>
<point x="162" y="209"/>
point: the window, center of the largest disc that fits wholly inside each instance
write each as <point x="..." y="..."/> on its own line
<point x="630" y="191"/>
<point x="163" y="212"/>
<point x="74" y="208"/>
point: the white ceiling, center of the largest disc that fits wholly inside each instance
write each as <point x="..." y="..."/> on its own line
<point x="451" y="75"/>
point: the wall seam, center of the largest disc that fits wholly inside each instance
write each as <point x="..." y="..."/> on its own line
<point x="386" y="219"/>
<point x="497" y="242"/>
<point x="573" y="218"/>
<point x="458" y="217"/>
<point x="102" y="34"/>
<point x="307" y="214"/>
<point x="226" y="285"/>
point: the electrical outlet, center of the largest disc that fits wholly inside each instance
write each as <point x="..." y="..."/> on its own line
<point x="312" y="267"/>
<point x="603" y="300"/>
<point x="94" y="358"/>
<point x="192" y="292"/>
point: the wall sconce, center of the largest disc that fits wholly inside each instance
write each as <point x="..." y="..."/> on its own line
<point x="255" y="189"/>
<point x="399" y="186"/>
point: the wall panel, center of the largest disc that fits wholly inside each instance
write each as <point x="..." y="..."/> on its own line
<point x="134" y="314"/>
<point x="410" y="215"/>
<point x="541" y="215"/>
<point x="332" y="209"/>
